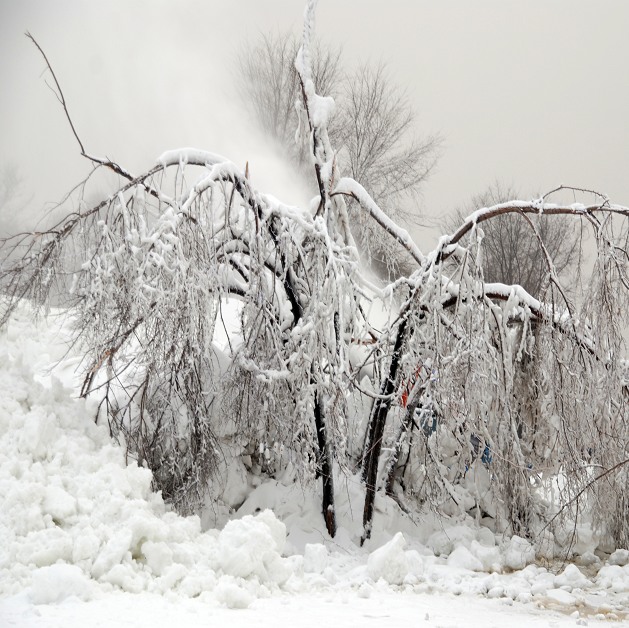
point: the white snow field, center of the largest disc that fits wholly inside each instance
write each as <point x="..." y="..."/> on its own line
<point x="85" y="542"/>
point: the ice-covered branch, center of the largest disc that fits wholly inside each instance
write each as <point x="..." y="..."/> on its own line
<point x="523" y="207"/>
<point x="348" y="187"/>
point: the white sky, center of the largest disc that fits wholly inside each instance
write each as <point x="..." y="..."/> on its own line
<point x="531" y="93"/>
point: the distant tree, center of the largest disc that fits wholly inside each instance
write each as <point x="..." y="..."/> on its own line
<point x="513" y="245"/>
<point x="269" y="87"/>
<point x="10" y="183"/>
<point x="372" y="130"/>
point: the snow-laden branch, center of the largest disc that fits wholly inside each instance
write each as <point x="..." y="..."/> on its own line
<point x="349" y="187"/>
<point x="319" y="110"/>
<point x="445" y="247"/>
<point x="192" y="156"/>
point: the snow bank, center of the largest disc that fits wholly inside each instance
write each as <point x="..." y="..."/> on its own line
<point x="79" y="522"/>
<point x="75" y="515"/>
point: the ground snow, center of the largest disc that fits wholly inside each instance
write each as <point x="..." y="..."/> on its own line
<point x="81" y="530"/>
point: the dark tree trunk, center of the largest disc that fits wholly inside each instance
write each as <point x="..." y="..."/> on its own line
<point x="406" y="427"/>
<point x="324" y="467"/>
<point x="324" y="458"/>
<point x="377" y="423"/>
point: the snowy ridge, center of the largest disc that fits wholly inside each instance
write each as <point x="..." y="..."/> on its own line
<point x="79" y="523"/>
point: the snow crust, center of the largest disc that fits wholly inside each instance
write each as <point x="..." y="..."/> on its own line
<point x="79" y="524"/>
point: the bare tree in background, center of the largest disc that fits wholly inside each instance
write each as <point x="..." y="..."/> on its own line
<point x="372" y="130"/>
<point x="14" y="204"/>
<point x="512" y="244"/>
<point x="269" y="86"/>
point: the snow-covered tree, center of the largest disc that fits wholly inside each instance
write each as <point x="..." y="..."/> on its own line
<point x="529" y="387"/>
<point x="481" y="392"/>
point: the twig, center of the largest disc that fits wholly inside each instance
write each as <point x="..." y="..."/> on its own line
<point x="59" y="92"/>
<point x="107" y="163"/>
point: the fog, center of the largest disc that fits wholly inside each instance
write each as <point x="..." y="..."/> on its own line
<point x="532" y="94"/>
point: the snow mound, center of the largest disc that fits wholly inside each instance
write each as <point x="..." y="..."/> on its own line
<point x="252" y="546"/>
<point x="389" y="562"/>
<point x="77" y="517"/>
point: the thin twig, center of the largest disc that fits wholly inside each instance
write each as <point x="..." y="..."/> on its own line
<point x="59" y="92"/>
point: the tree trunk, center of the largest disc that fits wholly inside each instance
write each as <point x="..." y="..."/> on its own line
<point x="405" y="428"/>
<point x="325" y="468"/>
<point x="377" y="424"/>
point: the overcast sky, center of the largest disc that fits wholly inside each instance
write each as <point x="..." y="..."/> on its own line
<point x="530" y="93"/>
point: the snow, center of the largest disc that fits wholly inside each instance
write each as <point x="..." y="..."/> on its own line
<point x="193" y="156"/>
<point x="518" y="553"/>
<point x="389" y="562"/>
<point x="85" y="541"/>
<point x="56" y="583"/>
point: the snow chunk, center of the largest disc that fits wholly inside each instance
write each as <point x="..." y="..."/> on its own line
<point x="231" y="594"/>
<point x="561" y="597"/>
<point x="518" y="553"/>
<point x="389" y="562"/>
<point x="56" y="583"/>
<point x="489" y="556"/>
<point x="112" y="553"/>
<point x="365" y="590"/>
<point x="59" y="503"/>
<point x="36" y="435"/>
<point x="158" y="556"/>
<point x="572" y="578"/>
<point x="462" y="558"/>
<point x="251" y="546"/>
<point x="85" y="546"/>
<point x="316" y="558"/>
<point x="45" y="547"/>
<point x="619" y="557"/>
<point x="614" y="577"/>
